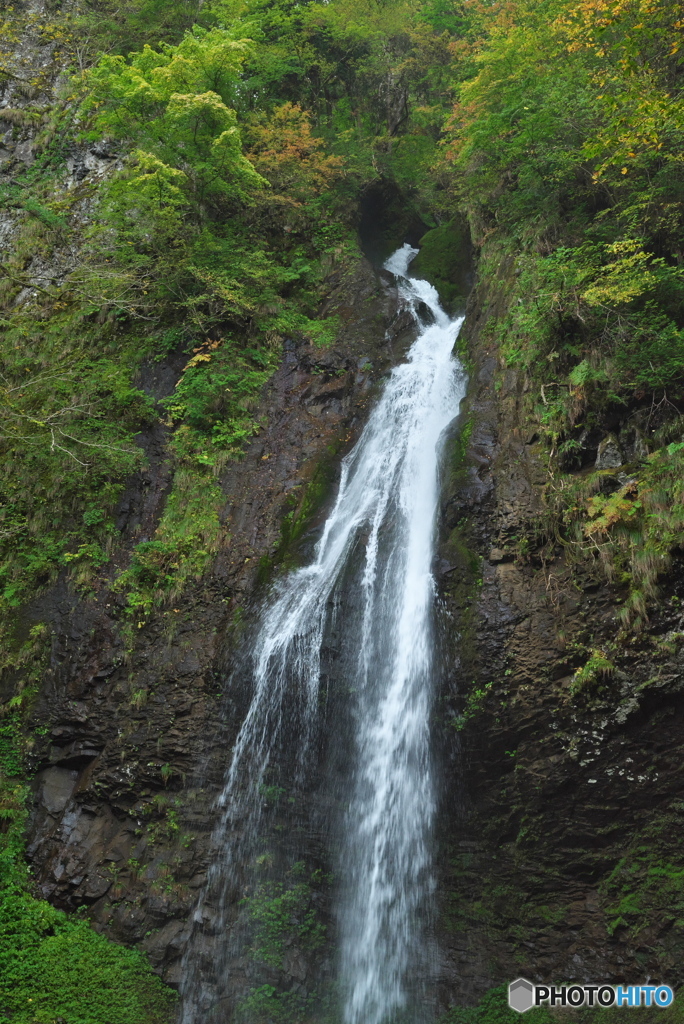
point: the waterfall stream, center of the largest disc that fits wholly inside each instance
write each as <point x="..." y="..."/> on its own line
<point x="392" y="803"/>
<point x="380" y="533"/>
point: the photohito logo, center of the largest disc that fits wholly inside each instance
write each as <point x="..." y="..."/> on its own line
<point x="523" y="995"/>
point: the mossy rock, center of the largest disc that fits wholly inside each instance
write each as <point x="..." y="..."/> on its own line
<point x="445" y="260"/>
<point x="302" y="506"/>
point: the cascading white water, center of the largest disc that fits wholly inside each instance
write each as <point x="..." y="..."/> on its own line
<point x="390" y="813"/>
<point x="387" y="501"/>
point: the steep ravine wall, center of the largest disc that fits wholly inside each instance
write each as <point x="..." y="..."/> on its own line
<point x="134" y="752"/>
<point x="560" y="829"/>
<point x="562" y="814"/>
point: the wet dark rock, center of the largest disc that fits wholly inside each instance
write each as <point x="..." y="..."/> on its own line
<point x="609" y="455"/>
<point x="425" y="313"/>
<point x="57" y="786"/>
<point x="140" y="727"/>
<point x="549" y="789"/>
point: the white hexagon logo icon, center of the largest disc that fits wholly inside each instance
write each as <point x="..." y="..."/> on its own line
<point x="521" y="995"/>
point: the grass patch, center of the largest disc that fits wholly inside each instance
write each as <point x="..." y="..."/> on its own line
<point x="54" y="969"/>
<point x="188" y="536"/>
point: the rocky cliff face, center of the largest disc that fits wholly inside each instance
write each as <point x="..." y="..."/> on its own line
<point x="561" y="813"/>
<point x="133" y="757"/>
<point x="560" y="734"/>
<point x="562" y="817"/>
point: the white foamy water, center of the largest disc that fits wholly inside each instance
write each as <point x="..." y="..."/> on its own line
<point x="387" y="860"/>
<point x="386" y="506"/>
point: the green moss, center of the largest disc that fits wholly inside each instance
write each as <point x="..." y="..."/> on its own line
<point x="630" y="533"/>
<point x="217" y="271"/>
<point x="213" y="404"/>
<point x="188" y="536"/>
<point x="463" y="581"/>
<point x="285" y="916"/>
<point x="459" y="446"/>
<point x="283" y="913"/>
<point x="314" y="494"/>
<point x="644" y="885"/>
<point x="302" y="504"/>
<point x="67" y="448"/>
<point x="268" y="1005"/>
<point x="54" y="967"/>
<point x="445" y="260"/>
<point x="474" y="704"/>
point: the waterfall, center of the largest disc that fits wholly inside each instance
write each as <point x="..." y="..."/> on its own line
<point x="381" y="533"/>
<point x="392" y="803"/>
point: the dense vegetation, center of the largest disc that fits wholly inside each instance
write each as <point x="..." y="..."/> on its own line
<point x="246" y="133"/>
<point x="245" y="138"/>
<point x="241" y="136"/>
<point x="567" y="142"/>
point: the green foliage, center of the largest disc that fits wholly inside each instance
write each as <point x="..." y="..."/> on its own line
<point x="461" y="444"/>
<point x="67" y="441"/>
<point x="578" y="207"/>
<point x="214" y="399"/>
<point x="97" y="26"/>
<point x="587" y="198"/>
<point x="474" y="704"/>
<point x="444" y="260"/>
<point x="247" y="131"/>
<point x="284" y="916"/>
<point x="188" y="534"/>
<point x="171" y="103"/>
<point x="283" y="913"/>
<point x="54" y="967"/>
<point x="11" y="753"/>
<point x="642" y="885"/>
<point x="631" y="531"/>
<point x="266" y="1004"/>
<point x="215" y="237"/>
<point x="588" y="678"/>
<point x="493" y="1008"/>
